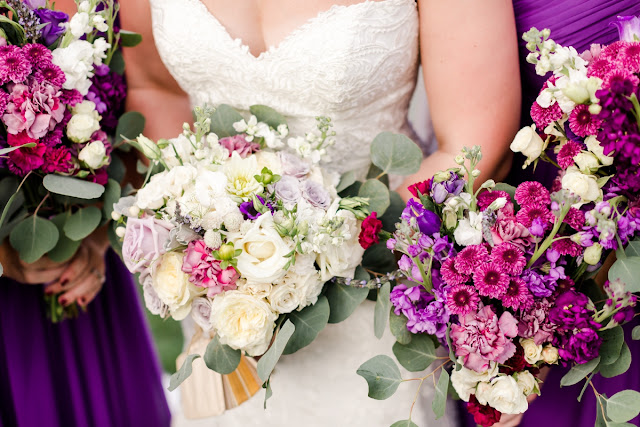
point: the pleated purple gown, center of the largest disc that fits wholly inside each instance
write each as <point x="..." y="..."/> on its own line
<point x="577" y="23"/>
<point x="97" y="370"/>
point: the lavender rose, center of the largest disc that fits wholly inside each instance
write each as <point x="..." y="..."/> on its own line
<point x="151" y="299"/>
<point x="144" y="242"/>
<point x="315" y="194"/>
<point x="293" y="165"/>
<point x="288" y="190"/>
<point x="201" y="312"/>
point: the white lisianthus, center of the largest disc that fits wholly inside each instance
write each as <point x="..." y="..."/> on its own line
<point x="263" y="251"/>
<point x="342" y="260"/>
<point x="528" y="142"/>
<point x="241" y="173"/>
<point x="465" y="380"/>
<point x="469" y="230"/>
<point x="532" y="352"/>
<point x="582" y="185"/>
<point x="84" y="122"/>
<point x="550" y="354"/>
<point x="586" y="162"/>
<point x="527" y="383"/>
<point x="173" y="286"/>
<point x="593" y="254"/>
<point x="149" y="148"/>
<point x="243" y="321"/>
<point x="94" y="155"/>
<point x="593" y="145"/>
<point x="76" y="61"/>
<point x="506" y="396"/>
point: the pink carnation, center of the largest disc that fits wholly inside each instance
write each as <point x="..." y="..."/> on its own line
<point x="450" y="274"/>
<point x="582" y="122"/>
<point x="469" y="258"/>
<point x="481" y="338"/>
<point x="566" y="154"/>
<point x="507" y="229"/>
<point x="239" y="144"/>
<point x="534" y="322"/>
<point x="575" y="218"/>
<point x="567" y="247"/>
<point x="490" y="280"/>
<point x="462" y="299"/>
<point x="543" y="117"/>
<point x="508" y="258"/>
<point x="532" y="193"/>
<point x="204" y="270"/>
<point x="35" y="108"/>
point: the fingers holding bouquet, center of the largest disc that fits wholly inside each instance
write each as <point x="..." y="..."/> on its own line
<point x="42" y="271"/>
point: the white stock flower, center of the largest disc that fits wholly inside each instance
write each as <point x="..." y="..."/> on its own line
<point x="532" y="352"/>
<point x="341" y="260"/>
<point x="100" y="47"/>
<point x="93" y="154"/>
<point x="469" y="230"/>
<point x="84" y="122"/>
<point x="593" y="145"/>
<point x="528" y="142"/>
<point x="173" y="286"/>
<point x="243" y="321"/>
<point x="79" y="24"/>
<point x="209" y="186"/>
<point x="506" y="395"/>
<point x="100" y="24"/>
<point x="241" y="174"/>
<point x="76" y="61"/>
<point x="582" y="185"/>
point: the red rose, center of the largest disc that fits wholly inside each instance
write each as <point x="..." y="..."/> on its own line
<point x="483" y="415"/>
<point x="369" y="233"/>
<point x="422" y="187"/>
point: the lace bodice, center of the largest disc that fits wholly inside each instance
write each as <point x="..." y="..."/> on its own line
<point x="356" y="64"/>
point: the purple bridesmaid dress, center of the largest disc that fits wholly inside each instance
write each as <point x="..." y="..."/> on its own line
<point x="577" y="23"/>
<point x="97" y="370"/>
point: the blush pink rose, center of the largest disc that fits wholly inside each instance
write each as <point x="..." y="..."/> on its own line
<point x="144" y="242"/>
<point x="204" y="270"/>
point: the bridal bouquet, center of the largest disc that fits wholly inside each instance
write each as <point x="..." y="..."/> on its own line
<point x="500" y="277"/>
<point x="59" y="104"/>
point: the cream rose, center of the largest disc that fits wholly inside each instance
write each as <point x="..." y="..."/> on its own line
<point x="528" y="142"/>
<point x="243" y="321"/>
<point x="527" y="383"/>
<point x="506" y="396"/>
<point x="263" y="251"/>
<point x="173" y="286"/>
<point x="532" y="352"/>
<point x="466" y="380"/>
<point x="94" y="155"/>
<point x="84" y="122"/>
<point x="584" y="186"/>
<point x="257" y="289"/>
<point x="550" y="354"/>
<point x="284" y="298"/>
<point x="594" y="146"/>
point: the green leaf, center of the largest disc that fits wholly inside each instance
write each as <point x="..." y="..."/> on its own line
<point x="635" y="333"/>
<point x="375" y="172"/>
<point x="612" y="340"/>
<point x="220" y="357"/>
<point x="627" y="270"/>
<point x="130" y="126"/>
<point x="268" y="392"/>
<point x="404" y="423"/>
<point x="308" y="322"/>
<point x="578" y="372"/>
<point x="112" y="194"/>
<point x="74" y="187"/>
<point x="82" y="223"/>
<point x="14" y="203"/>
<point x="10" y="149"/>
<point x="13" y="31"/>
<point x="65" y="248"/>
<point x="114" y="240"/>
<point x="183" y="373"/>
<point x="382" y="308"/>
<point x="378" y="195"/>
<point x="129" y="38"/>
<point x="382" y="376"/>
<point x="396" y="154"/>
<point x="33" y="237"/>
<point x="222" y="121"/>
<point x="620" y="366"/>
<point x="117" y="170"/>
<point x="117" y="63"/>
<point x="452" y="355"/>
<point x="440" y="399"/>
<point x="268" y="115"/>
<point x="392" y="215"/>
<point x="380" y="259"/>
<point x="623" y="406"/>
<point x="268" y="360"/>
<point x="352" y="190"/>
<point x="417" y="355"/>
<point x="346" y="180"/>
<point x="633" y="249"/>
<point x="510" y="189"/>
<point x="398" y="327"/>
<point x="343" y="300"/>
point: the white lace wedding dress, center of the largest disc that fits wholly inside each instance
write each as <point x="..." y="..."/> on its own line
<point x="357" y="65"/>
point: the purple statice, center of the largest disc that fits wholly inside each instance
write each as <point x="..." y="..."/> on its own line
<point x="428" y="222"/>
<point x="537" y="284"/>
<point x="534" y="322"/>
<point x="453" y="185"/>
<point x="424" y="312"/>
<point x="108" y="91"/>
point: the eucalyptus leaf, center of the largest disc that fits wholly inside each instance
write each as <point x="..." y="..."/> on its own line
<point x="220" y="357"/>
<point x="633" y="249"/>
<point x="33" y="237"/>
<point x="404" y="423"/>
<point x="361" y="274"/>
<point x="627" y="270"/>
<point x="352" y="190"/>
<point x="346" y="180"/>
<point x="130" y="126"/>
<point x="7" y="227"/>
<point x="308" y="322"/>
<point x="82" y="223"/>
<point x="222" y="121"/>
<point x="623" y="406"/>
<point x="65" y="248"/>
<point x="382" y="376"/>
<point x="452" y="355"/>
<point x="129" y="38"/>
<point x="343" y="300"/>
<point x="183" y="373"/>
<point x="117" y="170"/>
<point x="395" y="154"/>
<point x="612" y="340"/>
<point x="13" y="204"/>
<point x="635" y="333"/>
<point x="268" y="115"/>
<point x="73" y="187"/>
<point x="268" y="392"/>
<point x="417" y="355"/>
<point x="10" y="149"/>
<point x="578" y="372"/>
<point x="112" y="194"/>
<point x="398" y="327"/>
<point x="392" y="215"/>
<point x="440" y="399"/>
<point x="375" y="172"/>
<point x="268" y="360"/>
<point x="378" y="195"/>
<point x="382" y="308"/>
<point x="380" y="259"/>
<point x="620" y="366"/>
<point x="117" y="63"/>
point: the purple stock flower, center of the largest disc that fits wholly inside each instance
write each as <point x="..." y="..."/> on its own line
<point x="441" y="190"/>
<point x="52" y="20"/>
<point x="628" y="28"/>
<point x="424" y="312"/>
<point x="537" y="285"/>
<point x="108" y="91"/>
<point x="571" y="312"/>
<point x="428" y="222"/>
<point x="581" y="347"/>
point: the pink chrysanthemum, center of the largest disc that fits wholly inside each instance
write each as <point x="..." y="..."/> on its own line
<point x="567" y="247"/>
<point x="487" y="197"/>
<point x="37" y="54"/>
<point x="470" y="258"/>
<point x="462" y="299"/>
<point x="451" y="275"/>
<point x="532" y="193"/>
<point x="613" y="50"/>
<point x="14" y="66"/>
<point x="567" y="152"/>
<point x="599" y="68"/>
<point x="582" y="122"/>
<point x="542" y="117"/>
<point x="52" y="74"/>
<point x="630" y="57"/>
<point x="575" y="218"/>
<point x="517" y="295"/>
<point x="620" y="75"/>
<point x="526" y="215"/>
<point x="508" y="258"/>
<point x="490" y="280"/>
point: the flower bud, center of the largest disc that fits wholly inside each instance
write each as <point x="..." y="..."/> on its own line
<point x="134" y="211"/>
<point x="459" y="159"/>
<point x="120" y="232"/>
<point x="115" y="216"/>
<point x="550" y="354"/>
<point x="226" y="252"/>
<point x="489" y="184"/>
<point x="595" y="109"/>
<point x="475" y="173"/>
<point x="593" y="254"/>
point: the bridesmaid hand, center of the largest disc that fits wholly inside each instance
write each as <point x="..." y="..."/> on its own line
<point x="42" y="271"/>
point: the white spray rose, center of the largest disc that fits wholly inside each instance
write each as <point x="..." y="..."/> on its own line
<point x="594" y="146"/>
<point x="465" y="380"/>
<point x="284" y="298"/>
<point x="93" y="154"/>
<point x="173" y="286"/>
<point x="469" y="230"/>
<point x="528" y="142"/>
<point x="84" y="122"/>
<point x="506" y="396"/>
<point x="532" y="352"/>
<point x="527" y="383"/>
<point x="586" y="162"/>
<point x="550" y="354"/>
<point x="257" y="289"/>
<point x="584" y="186"/>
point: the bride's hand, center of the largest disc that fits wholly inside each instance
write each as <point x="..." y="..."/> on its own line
<point x="42" y="271"/>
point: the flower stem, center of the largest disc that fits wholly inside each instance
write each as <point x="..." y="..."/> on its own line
<point x="550" y="239"/>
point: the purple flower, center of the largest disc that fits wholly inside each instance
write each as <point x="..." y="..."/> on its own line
<point x="428" y="222"/>
<point x="293" y="165"/>
<point x="108" y="91"/>
<point x="424" y="313"/>
<point x="248" y="210"/>
<point x="534" y="322"/>
<point x="315" y="194"/>
<point x="287" y="189"/>
<point x="581" y="347"/>
<point x="52" y="20"/>
<point x="571" y="312"/>
<point x="628" y="28"/>
<point x="538" y="287"/>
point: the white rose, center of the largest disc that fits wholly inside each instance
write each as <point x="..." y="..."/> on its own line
<point x="584" y="186"/>
<point x="465" y="380"/>
<point x="550" y="354"/>
<point x="257" y="289"/>
<point x="243" y="321"/>
<point x="594" y="146"/>
<point x="593" y="254"/>
<point x="284" y="298"/>
<point x="341" y="261"/>
<point x="307" y="280"/>
<point x="79" y="24"/>
<point x="586" y="161"/>
<point x="527" y="383"/>
<point x="528" y="142"/>
<point x="84" y="122"/>
<point x="263" y="251"/>
<point x="506" y="396"/>
<point x="532" y="352"/>
<point x="469" y="230"/>
<point x="201" y="312"/>
<point x="173" y="286"/>
<point x="93" y="154"/>
<point x="76" y="61"/>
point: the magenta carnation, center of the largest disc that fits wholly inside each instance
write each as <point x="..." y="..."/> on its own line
<point x="14" y="66"/>
<point x="532" y="193"/>
<point x="575" y="218"/>
<point x="508" y="258"/>
<point x="490" y="280"/>
<point x="71" y="97"/>
<point x="507" y="229"/>
<point x="462" y="299"/>
<point x="517" y="295"/>
<point x="543" y="117"/>
<point x="57" y="160"/>
<point x="470" y="257"/>
<point x="582" y="122"/>
<point x="567" y="152"/>
<point x="450" y="274"/>
<point x="204" y="270"/>
<point x="567" y="247"/>
<point x="24" y="160"/>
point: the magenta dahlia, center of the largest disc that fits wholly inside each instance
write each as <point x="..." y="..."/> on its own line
<point x="517" y="295"/>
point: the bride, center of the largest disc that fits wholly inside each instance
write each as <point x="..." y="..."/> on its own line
<point x="355" y="62"/>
